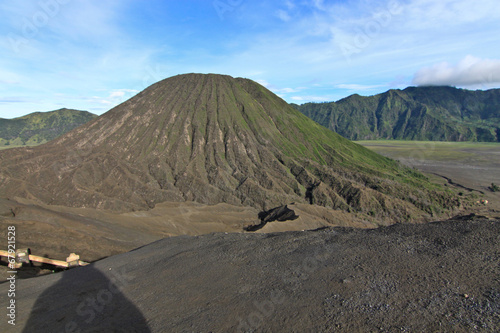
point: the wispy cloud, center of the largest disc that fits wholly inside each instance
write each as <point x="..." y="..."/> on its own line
<point x="314" y="50"/>
<point x="120" y="93"/>
<point x="469" y="72"/>
<point x="8" y="82"/>
<point x="289" y="90"/>
<point x="310" y="98"/>
<point x="283" y="15"/>
<point x="263" y="83"/>
<point x="14" y="100"/>
<point x="357" y="87"/>
<point x="119" y="96"/>
<point x="448" y="14"/>
<point x="319" y="4"/>
<point x="278" y="90"/>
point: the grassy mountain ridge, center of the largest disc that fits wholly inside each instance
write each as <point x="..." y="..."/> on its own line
<point x="211" y="139"/>
<point x="415" y="113"/>
<point x="40" y="127"/>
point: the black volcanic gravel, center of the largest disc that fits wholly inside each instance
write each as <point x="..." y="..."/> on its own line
<point x="436" y="277"/>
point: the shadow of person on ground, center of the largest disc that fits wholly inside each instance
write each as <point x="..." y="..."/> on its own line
<point x="86" y="300"/>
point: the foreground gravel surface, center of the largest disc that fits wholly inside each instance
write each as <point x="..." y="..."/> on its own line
<point x="442" y="276"/>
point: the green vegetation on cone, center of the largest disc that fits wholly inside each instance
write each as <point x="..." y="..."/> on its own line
<point x="216" y="139"/>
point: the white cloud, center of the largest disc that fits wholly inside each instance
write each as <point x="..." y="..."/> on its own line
<point x="8" y="77"/>
<point x="319" y="4"/>
<point x="283" y="15"/>
<point x="15" y="99"/>
<point x="263" y="83"/>
<point x="83" y="50"/>
<point x="277" y="90"/>
<point x="311" y="98"/>
<point x="469" y="72"/>
<point x="122" y="92"/>
<point x="8" y="82"/>
<point x="449" y="13"/>
<point x="92" y="21"/>
<point x="286" y="90"/>
<point x="115" y="94"/>
<point x="289" y="4"/>
<point x="353" y="86"/>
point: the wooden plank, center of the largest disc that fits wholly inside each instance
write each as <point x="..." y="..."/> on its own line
<point x="73" y="260"/>
<point x="48" y="261"/>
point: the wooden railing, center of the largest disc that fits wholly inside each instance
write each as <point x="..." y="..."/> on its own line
<point x="21" y="256"/>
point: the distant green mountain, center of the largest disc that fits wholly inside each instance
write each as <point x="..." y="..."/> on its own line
<point x="415" y="113"/>
<point x="40" y="127"/>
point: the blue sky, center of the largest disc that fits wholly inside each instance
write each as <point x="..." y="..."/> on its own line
<point x="92" y="55"/>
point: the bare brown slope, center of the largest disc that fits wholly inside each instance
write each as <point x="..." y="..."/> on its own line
<point x="211" y="139"/>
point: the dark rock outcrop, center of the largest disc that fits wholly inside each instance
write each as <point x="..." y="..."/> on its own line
<point x="280" y="214"/>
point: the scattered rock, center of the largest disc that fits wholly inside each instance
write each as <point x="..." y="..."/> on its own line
<point x="281" y="214"/>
